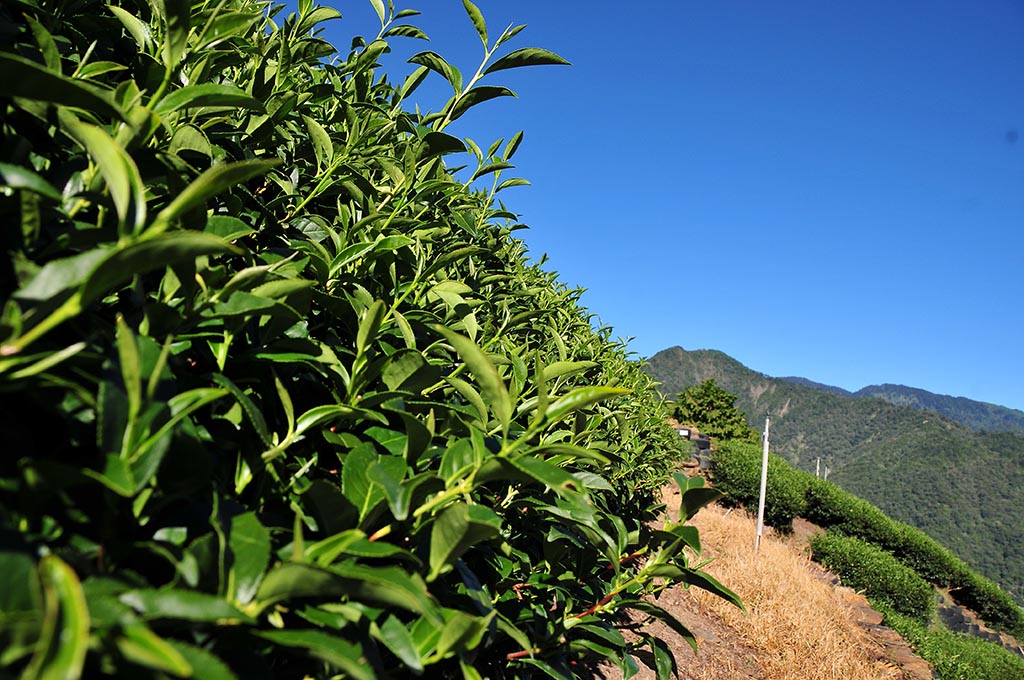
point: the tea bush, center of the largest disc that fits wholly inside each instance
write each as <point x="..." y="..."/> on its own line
<point x="736" y="470"/>
<point x="831" y="507"/>
<point x="954" y="655"/>
<point x="281" y="394"/>
<point x="881" y="576"/>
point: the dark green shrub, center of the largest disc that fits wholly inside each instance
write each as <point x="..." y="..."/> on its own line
<point x="989" y="602"/>
<point x="955" y="655"/>
<point x="881" y="576"/>
<point x="713" y="411"/>
<point x="833" y="508"/>
<point x="927" y="556"/>
<point x="281" y="394"/>
<point x="736" y="470"/>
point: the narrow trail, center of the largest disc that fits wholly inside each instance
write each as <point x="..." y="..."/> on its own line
<point x="800" y="623"/>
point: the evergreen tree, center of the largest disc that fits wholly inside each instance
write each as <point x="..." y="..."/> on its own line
<point x="713" y="411"/>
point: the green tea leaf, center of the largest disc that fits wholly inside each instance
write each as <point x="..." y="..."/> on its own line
<point x="478" y="20"/>
<point x="145" y="255"/>
<point x="227" y="227"/>
<point x="405" y="31"/>
<point x="323" y="148"/>
<point x="512" y="146"/>
<point x="377" y="585"/>
<point x="458" y="529"/>
<point x="20" y="77"/>
<point x="335" y="650"/>
<point x="118" y="169"/>
<point x="511" y="182"/>
<point x="318" y="15"/>
<point x="204" y="665"/>
<point x="356" y="483"/>
<point x="139" y="30"/>
<point x="212" y="182"/>
<point x="48" y="48"/>
<point x="140" y="645"/>
<point x="561" y="369"/>
<point x="526" y="56"/>
<point x="18" y="177"/>
<point x="186" y="605"/>
<point x="694" y="494"/>
<point x="547" y="474"/>
<point x="436" y="63"/>
<point x="440" y="144"/>
<point x="207" y="94"/>
<point x="116" y="476"/>
<point x="64" y="638"/>
<point x="226" y="25"/>
<point x="320" y="415"/>
<point x="397" y="639"/>
<point x="190" y="138"/>
<point x="369" y="325"/>
<point x="477" y="95"/>
<point x="378" y="7"/>
<point x="580" y="398"/>
<point x="254" y="415"/>
<point x="461" y="632"/>
<point x="177" y="14"/>
<point x="249" y="542"/>
<point x="407" y="370"/>
<point x="21" y="604"/>
<point x="98" y="68"/>
<point x="488" y="168"/>
<point x="483" y="368"/>
<point x="131" y="370"/>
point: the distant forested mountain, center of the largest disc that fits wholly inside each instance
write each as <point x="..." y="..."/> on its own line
<point x="821" y="386"/>
<point x="962" y="486"/>
<point x="977" y="415"/>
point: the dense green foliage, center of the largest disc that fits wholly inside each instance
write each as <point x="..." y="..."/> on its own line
<point x="832" y="507"/>
<point x="963" y="487"/>
<point x="713" y="412"/>
<point x="736" y="468"/>
<point x="281" y="395"/>
<point x="881" y="577"/>
<point x="977" y="415"/>
<point x="954" y="655"/>
<point x="737" y="473"/>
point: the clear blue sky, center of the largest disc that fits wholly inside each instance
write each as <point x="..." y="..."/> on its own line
<point x="830" y="190"/>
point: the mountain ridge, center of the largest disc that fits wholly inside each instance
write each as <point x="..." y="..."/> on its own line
<point x="962" y="486"/>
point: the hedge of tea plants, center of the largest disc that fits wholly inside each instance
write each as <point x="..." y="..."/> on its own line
<point x="280" y="393"/>
<point x="882" y="578"/>
<point x="736" y="468"/>
<point x="955" y="655"/>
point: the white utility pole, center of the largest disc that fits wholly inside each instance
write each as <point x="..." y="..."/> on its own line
<point x="817" y="468"/>
<point x="764" y="487"/>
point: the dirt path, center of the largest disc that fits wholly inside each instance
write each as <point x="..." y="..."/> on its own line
<point x="800" y="624"/>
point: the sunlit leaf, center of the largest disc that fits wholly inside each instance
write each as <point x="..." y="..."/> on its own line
<point x="64" y="638"/>
<point x="214" y="181"/>
<point x="526" y="56"/>
<point x="207" y="94"/>
<point x="483" y="368"/>
<point x="18" y="177"/>
<point x="478" y="20"/>
<point x="458" y="529"/>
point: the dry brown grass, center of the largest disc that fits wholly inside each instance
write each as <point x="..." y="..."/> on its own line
<point x="797" y="626"/>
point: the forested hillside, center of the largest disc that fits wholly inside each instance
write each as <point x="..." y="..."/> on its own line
<point x="963" y="487"/>
<point x="977" y="415"/>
